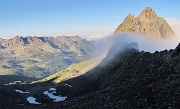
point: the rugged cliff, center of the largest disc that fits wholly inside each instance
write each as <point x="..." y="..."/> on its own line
<point x="148" y="23"/>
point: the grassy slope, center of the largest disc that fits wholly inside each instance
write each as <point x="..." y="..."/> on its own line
<point x="73" y="71"/>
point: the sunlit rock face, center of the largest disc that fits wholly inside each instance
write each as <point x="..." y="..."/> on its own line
<point x="148" y="23"/>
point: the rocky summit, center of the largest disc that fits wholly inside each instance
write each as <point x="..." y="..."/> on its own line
<point x="148" y="23"/>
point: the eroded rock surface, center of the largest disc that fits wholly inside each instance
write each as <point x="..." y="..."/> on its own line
<point x="148" y="23"/>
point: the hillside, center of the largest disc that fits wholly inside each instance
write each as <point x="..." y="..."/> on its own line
<point x="132" y="79"/>
<point x="73" y="71"/>
<point x="148" y="23"/>
<point x="41" y="56"/>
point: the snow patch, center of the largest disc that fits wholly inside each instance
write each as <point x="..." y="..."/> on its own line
<point x="52" y="89"/>
<point x="20" y="91"/>
<point x="32" y="100"/>
<point x="54" y="97"/>
<point x="68" y="85"/>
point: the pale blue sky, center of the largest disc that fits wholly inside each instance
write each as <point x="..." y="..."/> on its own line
<point x="74" y="17"/>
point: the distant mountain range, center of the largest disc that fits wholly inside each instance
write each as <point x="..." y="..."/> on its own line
<point x="50" y="44"/>
<point x="148" y="23"/>
<point x="41" y="56"/>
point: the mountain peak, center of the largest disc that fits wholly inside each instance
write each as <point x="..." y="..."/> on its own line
<point x="148" y="9"/>
<point x="131" y="15"/>
<point x="148" y="13"/>
<point x="147" y="23"/>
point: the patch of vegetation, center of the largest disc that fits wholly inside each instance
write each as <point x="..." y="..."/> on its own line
<point x="73" y="71"/>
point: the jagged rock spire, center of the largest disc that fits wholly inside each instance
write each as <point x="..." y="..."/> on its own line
<point x="147" y="23"/>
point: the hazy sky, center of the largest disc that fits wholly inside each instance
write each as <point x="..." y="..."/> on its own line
<point x="76" y="17"/>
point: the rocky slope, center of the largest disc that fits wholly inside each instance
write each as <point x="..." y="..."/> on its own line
<point x="148" y="23"/>
<point x="131" y="79"/>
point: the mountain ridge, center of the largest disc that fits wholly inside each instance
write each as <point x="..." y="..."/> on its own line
<point x="43" y="43"/>
<point x="148" y="23"/>
<point x="42" y="56"/>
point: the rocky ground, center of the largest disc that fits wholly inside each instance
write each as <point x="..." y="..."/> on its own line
<point x="132" y="79"/>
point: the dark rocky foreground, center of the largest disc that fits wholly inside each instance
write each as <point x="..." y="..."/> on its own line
<point x="131" y="79"/>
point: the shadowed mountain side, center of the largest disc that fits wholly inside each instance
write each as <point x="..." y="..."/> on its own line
<point x="131" y="80"/>
<point x="10" y="99"/>
<point x="92" y="79"/>
<point x="5" y="79"/>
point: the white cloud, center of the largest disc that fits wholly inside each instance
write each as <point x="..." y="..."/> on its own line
<point x="175" y="25"/>
<point x="96" y="36"/>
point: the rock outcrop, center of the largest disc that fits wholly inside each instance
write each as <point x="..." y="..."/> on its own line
<point x="147" y="24"/>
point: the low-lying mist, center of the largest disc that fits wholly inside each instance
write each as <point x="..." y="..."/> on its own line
<point x="144" y="43"/>
<point x="111" y="45"/>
